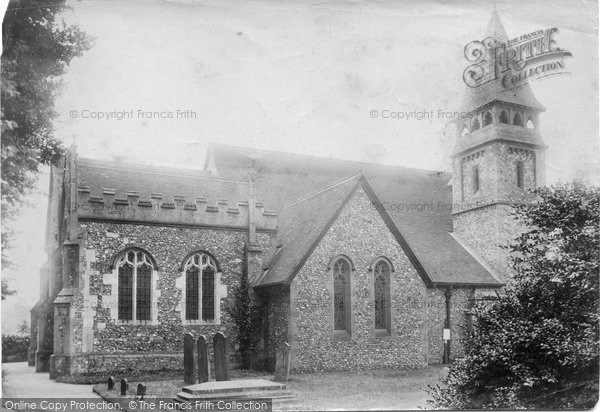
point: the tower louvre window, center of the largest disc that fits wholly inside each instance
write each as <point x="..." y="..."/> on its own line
<point x="517" y="119"/>
<point x="487" y="119"/>
<point x="475" y="124"/>
<point x="504" y="117"/>
<point x="520" y="174"/>
<point x="475" y="179"/>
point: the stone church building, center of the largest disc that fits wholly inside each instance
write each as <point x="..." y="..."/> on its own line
<point x="356" y="265"/>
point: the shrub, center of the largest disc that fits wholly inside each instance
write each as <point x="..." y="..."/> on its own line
<point x="14" y="348"/>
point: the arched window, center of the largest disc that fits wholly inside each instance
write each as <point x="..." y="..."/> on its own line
<point x="487" y="119"/>
<point x="464" y="131"/>
<point x="517" y="119"/>
<point x="341" y="295"/>
<point x="200" y="270"/>
<point x="475" y="124"/>
<point x="134" y="268"/>
<point x="504" y="117"/>
<point x="381" y="285"/>
<point x="530" y="124"/>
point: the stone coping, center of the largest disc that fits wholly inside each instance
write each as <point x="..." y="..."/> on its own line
<point x="240" y="385"/>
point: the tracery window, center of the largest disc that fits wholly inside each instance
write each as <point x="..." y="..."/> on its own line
<point x="200" y="270"/>
<point x="381" y="283"/>
<point x="341" y="295"/>
<point x="134" y="268"/>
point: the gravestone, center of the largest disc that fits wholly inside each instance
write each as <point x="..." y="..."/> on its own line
<point x="221" y="350"/>
<point x="203" y="364"/>
<point x="282" y="362"/>
<point x="111" y="383"/>
<point x="189" y="363"/>
<point x="124" y="387"/>
<point x="141" y="390"/>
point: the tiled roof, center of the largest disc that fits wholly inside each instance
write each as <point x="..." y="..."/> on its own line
<point x="419" y="202"/>
<point x="145" y="180"/>
<point x="475" y="97"/>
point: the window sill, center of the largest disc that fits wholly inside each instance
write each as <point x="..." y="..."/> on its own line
<point x="195" y="322"/>
<point x="382" y="333"/>
<point x="121" y="322"/>
<point x="341" y="335"/>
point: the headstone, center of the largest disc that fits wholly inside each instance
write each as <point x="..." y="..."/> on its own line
<point x="111" y="383"/>
<point x="282" y="362"/>
<point x="124" y="387"/>
<point x="189" y="363"/>
<point x="141" y="390"/>
<point x="203" y="364"/>
<point x="221" y="357"/>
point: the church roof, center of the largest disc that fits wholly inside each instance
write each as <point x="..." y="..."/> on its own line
<point x="493" y="89"/>
<point x="419" y="203"/>
<point x="146" y="180"/>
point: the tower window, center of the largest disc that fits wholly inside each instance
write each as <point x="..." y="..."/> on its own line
<point x="475" y="179"/>
<point x="530" y="124"/>
<point x="520" y="172"/>
<point x="200" y="270"/>
<point x="487" y="119"/>
<point x="475" y="124"/>
<point x="341" y="295"/>
<point x="464" y="131"/>
<point x="504" y="117"/>
<point x="134" y="269"/>
<point x="517" y="119"/>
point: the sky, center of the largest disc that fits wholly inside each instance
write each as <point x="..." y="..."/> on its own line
<point x="297" y="76"/>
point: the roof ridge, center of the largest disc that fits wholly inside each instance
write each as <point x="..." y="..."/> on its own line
<point x="149" y="168"/>
<point x="325" y="189"/>
<point x="360" y="162"/>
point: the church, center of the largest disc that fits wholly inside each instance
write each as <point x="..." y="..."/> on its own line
<point x="355" y="265"/>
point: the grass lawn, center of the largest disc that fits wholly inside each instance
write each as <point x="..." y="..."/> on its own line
<point x="380" y="389"/>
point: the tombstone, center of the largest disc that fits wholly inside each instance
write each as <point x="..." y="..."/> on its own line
<point x="141" y="390"/>
<point x="282" y="362"/>
<point x="111" y="383"/>
<point x="189" y="363"/>
<point x="203" y="364"/>
<point x="221" y="356"/>
<point x="124" y="387"/>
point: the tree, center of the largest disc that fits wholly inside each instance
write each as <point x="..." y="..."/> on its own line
<point x="37" y="47"/>
<point x="537" y="345"/>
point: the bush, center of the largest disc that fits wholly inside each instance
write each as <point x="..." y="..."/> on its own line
<point x="14" y="348"/>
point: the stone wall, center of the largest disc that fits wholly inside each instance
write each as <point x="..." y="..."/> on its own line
<point x="361" y="234"/>
<point x="169" y="247"/>
<point x="461" y="301"/>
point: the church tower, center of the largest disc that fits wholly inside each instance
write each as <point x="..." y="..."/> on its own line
<point x="498" y="157"/>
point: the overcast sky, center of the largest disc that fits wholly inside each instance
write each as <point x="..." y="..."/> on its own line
<point x="299" y="76"/>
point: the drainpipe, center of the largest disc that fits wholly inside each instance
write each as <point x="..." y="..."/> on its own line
<point x="446" y="332"/>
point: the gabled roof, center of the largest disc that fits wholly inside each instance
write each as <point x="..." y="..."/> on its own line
<point x="303" y="223"/>
<point x="494" y="90"/>
<point x="419" y="202"/>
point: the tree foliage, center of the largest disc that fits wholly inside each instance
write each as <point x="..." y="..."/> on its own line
<point x="246" y="315"/>
<point x="37" y="47"/>
<point x="537" y="345"/>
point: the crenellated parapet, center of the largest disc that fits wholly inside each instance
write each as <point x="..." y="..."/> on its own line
<point x="173" y="209"/>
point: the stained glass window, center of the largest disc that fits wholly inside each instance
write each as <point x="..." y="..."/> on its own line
<point x="208" y="293"/>
<point x="126" y="292"/>
<point x="144" y="292"/>
<point x="191" y="292"/>
<point x="134" y="286"/>
<point x="381" y="292"/>
<point x="200" y="293"/>
<point x="341" y="294"/>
